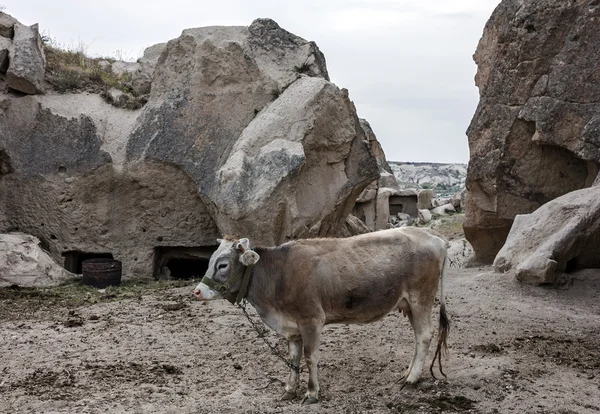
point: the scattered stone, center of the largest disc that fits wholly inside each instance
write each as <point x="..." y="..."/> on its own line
<point x="443" y="210"/>
<point x="174" y="306"/>
<point x="73" y="322"/>
<point x="403" y="216"/>
<point x="424" y="216"/>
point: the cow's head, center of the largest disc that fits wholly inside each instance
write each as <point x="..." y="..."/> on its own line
<point x="225" y="270"/>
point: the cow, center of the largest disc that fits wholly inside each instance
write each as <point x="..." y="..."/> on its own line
<point x="299" y="287"/>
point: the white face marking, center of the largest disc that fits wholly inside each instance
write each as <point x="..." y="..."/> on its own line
<point x="203" y="292"/>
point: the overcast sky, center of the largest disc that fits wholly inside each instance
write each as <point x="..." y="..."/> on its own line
<point x="407" y="63"/>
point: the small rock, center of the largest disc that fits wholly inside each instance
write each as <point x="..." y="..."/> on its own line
<point x="73" y="322"/>
<point x="237" y="366"/>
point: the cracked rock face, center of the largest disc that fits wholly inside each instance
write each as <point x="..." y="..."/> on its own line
<point x="561" y="236"/>
<point x="242" y="134"/>
<point x="27" y="62"/>
<point x="536" y="132"/>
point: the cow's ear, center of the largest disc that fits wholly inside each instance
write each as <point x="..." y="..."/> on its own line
<point x="243" y="245"/>
<point x="249" y="257"/>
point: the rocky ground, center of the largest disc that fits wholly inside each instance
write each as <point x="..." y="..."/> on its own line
<point x="149" y="347"/>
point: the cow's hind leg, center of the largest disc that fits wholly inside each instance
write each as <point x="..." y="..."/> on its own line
<point x="420" y="319"/>
<point x="295" y="348"/>
<point x="405" y="309"/>
<point x="311" y="336"/>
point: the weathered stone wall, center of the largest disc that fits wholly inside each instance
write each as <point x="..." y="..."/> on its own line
<point x="534" y="135"/>
<point x="242" y="134"/>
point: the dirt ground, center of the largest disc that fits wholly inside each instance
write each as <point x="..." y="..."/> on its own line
<point x="153" y="349"/>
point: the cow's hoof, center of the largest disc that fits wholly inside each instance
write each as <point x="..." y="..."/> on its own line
<point x="309" y="400"/>
<point x="287" y="395"/>
<point x="406" y="382"/>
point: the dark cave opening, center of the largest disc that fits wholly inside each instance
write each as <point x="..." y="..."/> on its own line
<point x="572" y="265"/>
<point x="190" y="268"/>
<point x="181" y="262"/>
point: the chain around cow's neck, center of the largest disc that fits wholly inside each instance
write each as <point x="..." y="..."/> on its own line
<point x="262" y="332"/>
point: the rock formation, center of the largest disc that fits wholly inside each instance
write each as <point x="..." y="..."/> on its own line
<point x="242" y="133"/>
<point x="561" y="236"/>
<point x="373" y="204"/>
<point x="24" y="263"/>
<point x="444" y="178"/>
<point x="535" y="133"/>
<point x="26" y="60"/>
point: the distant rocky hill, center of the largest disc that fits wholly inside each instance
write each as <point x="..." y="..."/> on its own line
<point x="443" y="178"/>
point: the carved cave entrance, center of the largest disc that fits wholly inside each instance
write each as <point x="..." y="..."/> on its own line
<point x="74" y="259"/>
<point x="181" y="262"/>
<point x="403" y="204"/>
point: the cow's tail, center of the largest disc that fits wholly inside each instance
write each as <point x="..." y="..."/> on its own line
<point x="444" y="328"/>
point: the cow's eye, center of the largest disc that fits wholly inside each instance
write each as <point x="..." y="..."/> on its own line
<point x="222" y="266"/>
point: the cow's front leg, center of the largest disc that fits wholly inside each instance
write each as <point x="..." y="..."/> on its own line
<point x="311" y="336"/>
<point x="295" y="349"/>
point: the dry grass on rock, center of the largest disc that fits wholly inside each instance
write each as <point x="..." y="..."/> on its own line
<point x="73" y="71"/>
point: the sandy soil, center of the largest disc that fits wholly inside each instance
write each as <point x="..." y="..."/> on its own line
<point x="513" y="349"/>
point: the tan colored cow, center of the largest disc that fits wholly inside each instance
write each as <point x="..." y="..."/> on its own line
<point x="303" y="285"/>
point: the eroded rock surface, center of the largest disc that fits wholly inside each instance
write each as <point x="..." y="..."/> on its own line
<point x="373" y="204"/>
<point x="242" y="134"/>
<point x="534" y="136"/>
<point x="562" y="235"/>
<point x="24" y="263"/>
<point x="25" y="72"/>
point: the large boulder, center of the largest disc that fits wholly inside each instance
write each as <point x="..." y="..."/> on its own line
<point x="443" y="210"/>
<point x="243" y="134"/>
<point x="534" y="135"/>
<point x="372" y="205"/>
<point x="275" y="148"/>
<point x="301" y="172"/>
<point x="24" y="263"/>
<point x="27" y="65"/>
<point x="562" y="235"/>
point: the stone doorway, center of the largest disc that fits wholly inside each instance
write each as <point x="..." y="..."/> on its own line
<point x="181" y="262"/>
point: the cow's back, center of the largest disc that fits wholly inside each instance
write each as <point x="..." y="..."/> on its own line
<point x="361" y="278"/>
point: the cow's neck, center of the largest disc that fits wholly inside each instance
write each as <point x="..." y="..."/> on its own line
<point x="268" y="288"/>
<point x="266" y="279"/>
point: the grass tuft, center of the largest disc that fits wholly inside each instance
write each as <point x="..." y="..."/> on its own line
<point x="15" y="300"/>
<point x="71" y="70"/>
